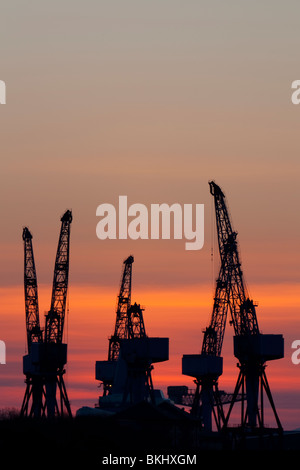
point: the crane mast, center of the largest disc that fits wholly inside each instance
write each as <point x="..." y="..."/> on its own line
<point x="123" y="305"/>
<point x="129" y="318"/>
<point x="55" y="318"/>
<point x="34" y="332"/>
<point x="214" y="333"/>
<point x="231" y="291"/>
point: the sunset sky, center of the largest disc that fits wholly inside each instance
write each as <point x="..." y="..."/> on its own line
<point x="150" y="99"/>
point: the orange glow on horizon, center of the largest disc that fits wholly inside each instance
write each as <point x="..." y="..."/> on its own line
<point x="180" y="314"/>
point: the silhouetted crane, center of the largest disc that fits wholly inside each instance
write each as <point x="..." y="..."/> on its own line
<point x="129" y="319"/>
<point x="251" y="347"/>
<point x="127" y="372"/>
<point x="44" y="364"/>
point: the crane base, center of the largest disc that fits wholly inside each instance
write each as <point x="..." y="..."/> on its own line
<point x="198" y="365"/>
<point x="146" y="349"/>
<point x="258" y="347"/>
<point x="45" y="357"/>
<point x="105" y="370"/>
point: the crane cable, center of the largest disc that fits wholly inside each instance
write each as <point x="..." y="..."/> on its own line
<point x="66" y="331"/>
<point x="212" y="245"/>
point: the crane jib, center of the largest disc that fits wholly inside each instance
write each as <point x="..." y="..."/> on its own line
<point x="231" y="293"/>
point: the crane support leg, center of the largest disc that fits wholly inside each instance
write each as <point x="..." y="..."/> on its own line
<point x="250" y="384"/>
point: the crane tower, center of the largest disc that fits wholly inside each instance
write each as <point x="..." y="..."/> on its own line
<point x="126" y="375"/>
<point x="43" y="365"/>
<point x="251" y="347"/>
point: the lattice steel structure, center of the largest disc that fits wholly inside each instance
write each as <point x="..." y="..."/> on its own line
<point x="33" y="329"/>
<point x="126" y="375"/>
<point x="44" y="364"/>
<point x="129" y="321"/>
<point x="122" y="311"/>
<point x="251" y="347"/>
<point x="54" y="324"/>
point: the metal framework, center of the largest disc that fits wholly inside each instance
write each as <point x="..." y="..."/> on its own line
<point x="55" y="318"/>
<point x="231" y="292"/>
<point x="129" y="322"/>
<point x="34" y="332"/>
<point x="123" y="305"/>
<point x="243" y="317"/>
<point x="126" y="375"/>
<point x="129" y="318"/>
<point x="251" y="347"/>
<point x="242" y="308"/>
<point x="47" y="355"/>
<point x="182" y="395"/>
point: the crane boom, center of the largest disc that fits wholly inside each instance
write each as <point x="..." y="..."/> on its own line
<point x="54" y="323"/>
<point x="214" y="333"/>
<point x="34" y="332"/>
<point x="123" y="305"/>
<point x="242" y="309"/>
